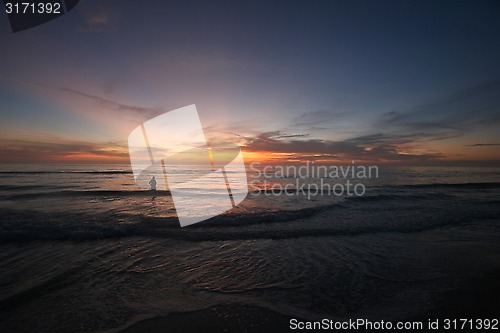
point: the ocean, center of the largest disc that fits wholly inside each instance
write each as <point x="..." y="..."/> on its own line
<point x="83" y="249"/>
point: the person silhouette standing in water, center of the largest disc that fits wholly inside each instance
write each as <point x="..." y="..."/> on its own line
<point x="152" y="182"/>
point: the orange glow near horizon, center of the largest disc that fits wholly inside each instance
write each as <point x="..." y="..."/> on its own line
<point x="91" y="158"/>
<point x="121" y="157"/>
<point x="55" y="152"/>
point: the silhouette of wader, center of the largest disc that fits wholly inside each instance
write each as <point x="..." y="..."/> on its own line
<point x="152" y="182"/>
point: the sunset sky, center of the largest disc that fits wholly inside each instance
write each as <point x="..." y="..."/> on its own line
<point x="404" y="82"/>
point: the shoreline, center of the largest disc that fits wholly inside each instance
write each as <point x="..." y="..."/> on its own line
<point x="476" y="298"/>
<point x="220" y="318"/>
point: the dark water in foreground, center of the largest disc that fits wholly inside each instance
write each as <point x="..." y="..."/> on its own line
<point x="84" y="250"/>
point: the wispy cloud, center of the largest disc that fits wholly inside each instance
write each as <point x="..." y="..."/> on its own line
<point x="137" y="113"/>
<point x="451" y="116"/>
<point x="374" y="148"/>
<point x="313" y="118"/>
<point x="57" y="149"/>
<point x="397" y="135"/>
<point x="99" y="17"/>
<point x="485" y="145"/>
<point x="278" y="135"/>
<point x="90" y="104"/>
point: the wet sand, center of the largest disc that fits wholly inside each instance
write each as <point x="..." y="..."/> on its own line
<point x="217" y="319"/>
<point x="477" y="298"/>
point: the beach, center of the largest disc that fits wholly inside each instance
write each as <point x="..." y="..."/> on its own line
<point x="419" y="245"/>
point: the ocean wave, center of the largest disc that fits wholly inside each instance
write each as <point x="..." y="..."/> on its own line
<point x="323" y="221"/>
<point x="28" y="187"/>
<point x="400" y="197"/>
<point x="276" y="191"/>
<point x="105" y="172"/>
<point x="19" y="226"/>
<point x="171" y="230"/>
<point x="87" y="193"/>
<point x="448" y="185"/>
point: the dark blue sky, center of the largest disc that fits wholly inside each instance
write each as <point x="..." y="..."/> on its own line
<point x="389" y="80"/>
